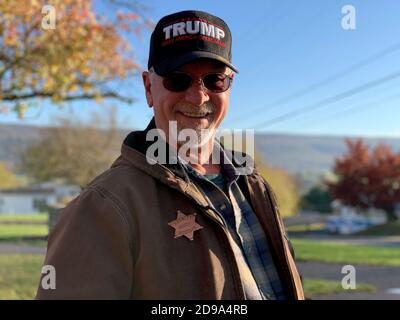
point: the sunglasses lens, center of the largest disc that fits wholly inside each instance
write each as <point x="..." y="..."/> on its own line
<point x="177" y="81"/>
<point x="216" y="82"/>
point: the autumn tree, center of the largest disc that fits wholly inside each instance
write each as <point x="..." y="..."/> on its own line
<point x="368" y="178"/>
<point x="63" y="52"/>
<point x="74" y="152"/>
<point x="284" y="187"/>
<point x="7" y="178"/>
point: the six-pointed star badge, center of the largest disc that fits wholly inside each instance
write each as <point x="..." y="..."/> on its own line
<point x="185" y="225"/>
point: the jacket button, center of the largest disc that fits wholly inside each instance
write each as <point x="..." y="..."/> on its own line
<point x="222" y="206"/>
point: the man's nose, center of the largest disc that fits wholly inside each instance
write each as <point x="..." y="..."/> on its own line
<point x="196" y="94"/>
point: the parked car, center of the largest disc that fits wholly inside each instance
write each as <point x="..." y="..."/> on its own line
<point x="347" y="224"/>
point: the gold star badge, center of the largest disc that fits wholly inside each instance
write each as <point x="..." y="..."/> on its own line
<point x="185" y="225"/>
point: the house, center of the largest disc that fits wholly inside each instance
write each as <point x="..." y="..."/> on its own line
<point x="35" y="198"/>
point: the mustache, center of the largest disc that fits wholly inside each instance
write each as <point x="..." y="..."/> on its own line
<point x="208" y="106"/>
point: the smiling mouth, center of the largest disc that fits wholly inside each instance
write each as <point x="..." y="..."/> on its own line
<point x="195" y="114"/>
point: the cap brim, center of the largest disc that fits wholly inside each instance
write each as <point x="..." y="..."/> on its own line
<point x="172" y="63"/>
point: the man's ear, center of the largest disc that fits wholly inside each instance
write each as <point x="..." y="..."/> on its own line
<point x="147" y="87"/>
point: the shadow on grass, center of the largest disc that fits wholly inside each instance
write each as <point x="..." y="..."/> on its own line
<point x="387" y="229"/>
<point x="35" y="241"/>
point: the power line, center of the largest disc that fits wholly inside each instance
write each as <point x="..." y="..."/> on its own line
<point x="322" y="83"/>
<point x="354" y="109"/>
<point x="329" y="100"/>
<point x="365" y="99"/>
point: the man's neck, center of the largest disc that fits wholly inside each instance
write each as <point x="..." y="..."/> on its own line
<point x="208" y="168"/>
<point x="203" y="163"/>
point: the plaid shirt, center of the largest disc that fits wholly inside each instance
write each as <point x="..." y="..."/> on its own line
<point x="251" y="246"/>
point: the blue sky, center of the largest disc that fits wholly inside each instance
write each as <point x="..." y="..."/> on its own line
<point x="281" y="48"/>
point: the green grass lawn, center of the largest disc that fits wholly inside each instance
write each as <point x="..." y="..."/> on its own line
<point x="15" y="232"/>
<point x="318" y="287"/>
<point x="331" y="252"/>
<point x="19" y="276"/>
<point x="34" y="217"/>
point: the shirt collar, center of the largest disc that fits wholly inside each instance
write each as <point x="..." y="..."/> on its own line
<point x="227" y="168"/>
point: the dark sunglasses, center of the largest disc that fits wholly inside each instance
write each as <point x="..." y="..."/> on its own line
<point x="214" y="82"/>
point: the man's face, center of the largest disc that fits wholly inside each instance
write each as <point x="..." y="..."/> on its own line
<point x="195" y="108"/>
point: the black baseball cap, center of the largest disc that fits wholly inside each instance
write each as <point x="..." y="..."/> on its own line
<point x="185" y="36"/>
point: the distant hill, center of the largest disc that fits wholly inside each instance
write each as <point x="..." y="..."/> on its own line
<point x="308" y="153"/>
<point x="294" y="153"/>
<point x="14" y="139"/>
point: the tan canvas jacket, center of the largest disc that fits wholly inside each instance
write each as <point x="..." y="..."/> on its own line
<point x="113" y="241"/>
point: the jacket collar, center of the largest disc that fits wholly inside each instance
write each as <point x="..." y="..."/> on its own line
<point x="137" y="139"/>
<point x="134" y="150"/>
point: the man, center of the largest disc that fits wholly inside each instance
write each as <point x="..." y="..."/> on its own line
<point x="172" y="224"/>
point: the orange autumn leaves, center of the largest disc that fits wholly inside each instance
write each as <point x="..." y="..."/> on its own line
<point x="75" y="60"/>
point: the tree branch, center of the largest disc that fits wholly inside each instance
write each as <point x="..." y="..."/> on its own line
<point x="107" y="94"/>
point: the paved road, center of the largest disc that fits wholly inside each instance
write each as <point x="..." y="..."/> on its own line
<point x="383" y="278"/>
